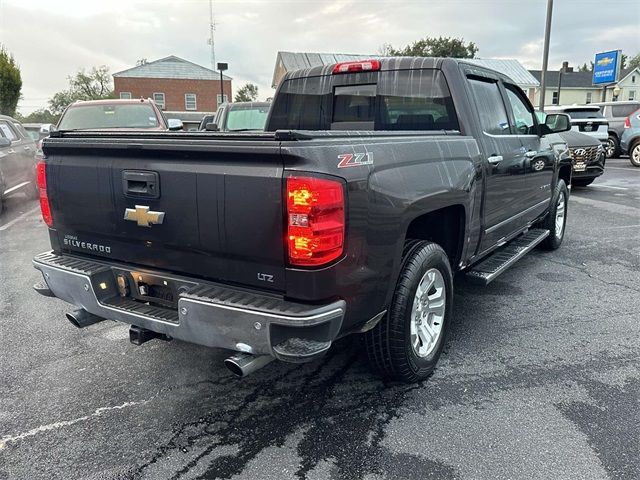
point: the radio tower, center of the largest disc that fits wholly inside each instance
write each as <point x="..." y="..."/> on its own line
<point x="212" y="28"/>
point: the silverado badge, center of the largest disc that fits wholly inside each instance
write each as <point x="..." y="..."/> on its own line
<point x="143" y="216"/>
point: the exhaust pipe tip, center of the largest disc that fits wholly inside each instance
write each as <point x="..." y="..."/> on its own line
<point x="81" y="318"/>
<point x="233" y="367"/>
<point x="242" y="364"/>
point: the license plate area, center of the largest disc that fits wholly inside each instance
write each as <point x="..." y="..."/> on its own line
<point x="143" y="287"/>
<point x="579" y="166"/>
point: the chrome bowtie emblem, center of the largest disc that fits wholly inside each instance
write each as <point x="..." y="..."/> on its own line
<point x="143" y="216"/>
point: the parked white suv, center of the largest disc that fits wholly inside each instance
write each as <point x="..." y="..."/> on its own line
<point x="587" y="119"/>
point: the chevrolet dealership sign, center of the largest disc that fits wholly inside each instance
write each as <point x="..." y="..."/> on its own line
<point x="606" y="67"/>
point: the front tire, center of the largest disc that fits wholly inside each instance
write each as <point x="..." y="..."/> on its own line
<point x="613" y="147"/>
<point x="634" y="154"/>
<point x="556" y="220"/>
<point x="407" y="342"/>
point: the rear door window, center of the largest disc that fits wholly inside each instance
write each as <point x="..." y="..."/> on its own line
<point x="493" y="115"/>
<point x="623" y="110"/>
<point x="399" y="100"/>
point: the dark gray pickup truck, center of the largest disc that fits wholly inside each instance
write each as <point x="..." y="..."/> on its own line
<point x="373" y="184"/>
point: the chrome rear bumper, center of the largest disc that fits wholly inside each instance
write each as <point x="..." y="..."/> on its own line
<point x="207" y="313"/>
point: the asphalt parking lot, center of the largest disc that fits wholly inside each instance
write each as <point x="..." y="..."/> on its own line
<point x="540" y="379"/>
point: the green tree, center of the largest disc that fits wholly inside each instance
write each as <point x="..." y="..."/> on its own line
<point x="92" y="85"/>
<point x="635" y="61"/>
<point x="623" y="61"/>
<point x="434" y="47"/>
<point x="584" y="68"/>
<point x="10" y="83"/>
<point x="38" y="116"/>
<point x="247" y="93"/>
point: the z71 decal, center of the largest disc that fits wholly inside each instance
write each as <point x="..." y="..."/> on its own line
<point x="355" y="160"/>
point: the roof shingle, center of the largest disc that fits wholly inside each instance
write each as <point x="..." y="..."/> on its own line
<point x="171" y="67"/>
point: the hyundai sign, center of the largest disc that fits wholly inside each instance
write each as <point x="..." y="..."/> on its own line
<point x="606" y="67"/>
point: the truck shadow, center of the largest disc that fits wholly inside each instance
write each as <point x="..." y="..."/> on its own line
<point x="330" y="414"/>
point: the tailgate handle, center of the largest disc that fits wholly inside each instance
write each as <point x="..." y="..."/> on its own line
<point x="136" y="183"/>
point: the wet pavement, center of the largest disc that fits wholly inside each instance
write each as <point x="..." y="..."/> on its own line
<point x="540" y="379"/>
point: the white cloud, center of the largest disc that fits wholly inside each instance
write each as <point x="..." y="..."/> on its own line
<point x="53" y="39"/>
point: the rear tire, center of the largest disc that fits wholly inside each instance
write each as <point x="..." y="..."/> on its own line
<point x="613" y="147"/>
<point x="406" y="344"/>
<point x="582" y="182"/>
<point x="634" y="154"/>
<point x="556" y="220"/>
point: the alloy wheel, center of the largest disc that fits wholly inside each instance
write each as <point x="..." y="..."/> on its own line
<point x="427" y="314"/>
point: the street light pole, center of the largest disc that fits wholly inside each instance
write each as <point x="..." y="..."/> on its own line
<point x="222" y="67"/>
<point x="545" y="55"/>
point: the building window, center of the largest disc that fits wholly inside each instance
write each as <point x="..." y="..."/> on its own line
<point x="632" y="94"/>
<point x="588" y="97"/>
<point x="190" y="101"/>
<point x="554" y="98"/>
<point x="221" y="100"/>
<point x="633" y="79"/>
<point x="159" y="99"/>
<point x="125" y="95"/>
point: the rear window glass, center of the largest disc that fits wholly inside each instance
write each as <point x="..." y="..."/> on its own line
<point x="581" y="113"/>
<point x="252" y="118"/>
<point x="400" y="100"/>
<point x="130" y="115"/>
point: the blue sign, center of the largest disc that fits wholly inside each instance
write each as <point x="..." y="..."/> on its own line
<point x="606" y="67"/>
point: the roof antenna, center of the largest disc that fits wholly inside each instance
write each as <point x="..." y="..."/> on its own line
<point x="212" y="28"/>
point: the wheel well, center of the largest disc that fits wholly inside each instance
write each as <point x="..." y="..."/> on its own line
<point x="444" y="227"/>
<point x="565" y="174"/>
<point x="613" y="133"/>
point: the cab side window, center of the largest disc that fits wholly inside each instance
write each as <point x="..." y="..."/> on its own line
<point x="493" y="115"/>
<point x="522" y="115"/>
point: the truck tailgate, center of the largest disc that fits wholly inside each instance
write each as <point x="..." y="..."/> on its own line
<point x="221" y="200"/>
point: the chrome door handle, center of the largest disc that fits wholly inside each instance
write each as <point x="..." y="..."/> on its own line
<point x="11" y="151"/>
<point x="495" y="159"/>
<point x="531" y="154"/>
<point x="27" y="148"/>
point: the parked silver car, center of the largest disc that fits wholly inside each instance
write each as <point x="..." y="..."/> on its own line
<point x="17" y="160"/>
<point x="616" y="114"/>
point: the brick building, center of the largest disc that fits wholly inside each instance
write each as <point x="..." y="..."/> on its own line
<point x="175" y="84"/>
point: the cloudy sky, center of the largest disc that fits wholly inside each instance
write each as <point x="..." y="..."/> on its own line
<point x="52" y="39"/>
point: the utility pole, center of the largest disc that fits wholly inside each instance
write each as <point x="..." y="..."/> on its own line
<point x="545" y="55"/>
<point x="212" y="28"/>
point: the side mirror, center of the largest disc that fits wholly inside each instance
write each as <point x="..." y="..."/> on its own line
<point x="175" y="124"/>
<point x="4" y="142"/>
<point x="212" y="127"/>
<point x="558" y="122"/>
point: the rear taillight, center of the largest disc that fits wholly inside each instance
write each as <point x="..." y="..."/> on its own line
<point x="360" y="66"/>
<point x="627" y="122"/>
<point x="41" y="179"/>
<point x="315" y="220"/>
